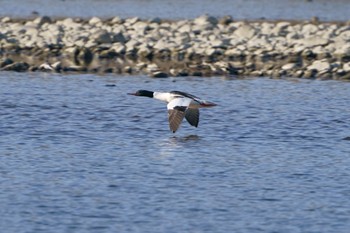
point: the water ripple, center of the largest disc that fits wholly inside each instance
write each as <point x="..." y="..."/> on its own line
<point x="80" y="156"/>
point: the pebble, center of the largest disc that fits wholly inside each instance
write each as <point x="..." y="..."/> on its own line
<point x="203" y="46"/>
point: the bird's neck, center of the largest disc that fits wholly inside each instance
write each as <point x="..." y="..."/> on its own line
<point x="162" y="96"/>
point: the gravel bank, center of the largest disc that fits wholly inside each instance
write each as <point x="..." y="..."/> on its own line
<point x="204" y="46"/>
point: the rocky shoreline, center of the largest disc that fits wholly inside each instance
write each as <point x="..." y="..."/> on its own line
<point x="204" y="46"/>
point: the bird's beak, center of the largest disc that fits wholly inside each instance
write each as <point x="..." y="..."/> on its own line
<point x="131" y="93"/>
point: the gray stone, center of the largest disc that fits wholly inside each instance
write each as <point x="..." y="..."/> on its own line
<point x="119" y="37"/>
<point x="17" y="66"/>
<point x="5" y="61"/>
<point x="102" y="37"/>
<point x="159" y="74"/>
<point x="42" y="20"/>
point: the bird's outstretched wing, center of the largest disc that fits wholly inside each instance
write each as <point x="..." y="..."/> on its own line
<point x="177" y="111"/>
<point x="192" y="116"/>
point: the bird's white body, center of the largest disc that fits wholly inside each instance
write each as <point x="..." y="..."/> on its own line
<point x="180" y="105"/>
<point x="179" y="99"/>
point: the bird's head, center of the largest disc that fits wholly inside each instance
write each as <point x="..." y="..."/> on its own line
<point x="142" y="93"/>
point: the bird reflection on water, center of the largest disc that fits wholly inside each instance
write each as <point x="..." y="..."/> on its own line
<point x="170" y="146"/>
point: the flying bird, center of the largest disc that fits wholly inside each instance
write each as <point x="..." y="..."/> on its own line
<point x="180" y="105"/>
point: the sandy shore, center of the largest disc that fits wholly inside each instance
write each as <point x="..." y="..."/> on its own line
<point x="205" y="46"/>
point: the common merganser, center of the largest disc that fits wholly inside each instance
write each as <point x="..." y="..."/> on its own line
<point x="180" y="105"/>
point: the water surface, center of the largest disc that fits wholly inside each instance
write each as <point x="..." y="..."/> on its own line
<point x="79" y="155"/>
<point x="239" y="9"/>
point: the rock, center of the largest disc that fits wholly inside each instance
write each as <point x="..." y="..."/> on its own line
<point x="42" y="20"/>
<point x="6" y="19"/>
<point x="140" y="27"/>
<point x="320" y="66"/>
<point x="45" y="67"/>
<point x="156" y="20"/>
<point x="281" y="29"/>
<point x="84" y="57"/>
<point x="57" y="66"/>
<point x="131" y="21"/>
<point x="225" y="20"/>
<point x="102" y="37"/>
<point x="116" y="20"/>
<point x="152" y="68"/>
<point x="75" y="69"/>
<point x="309" y="29"/>
<point x="310" y="73"/>
<point x="119" y="37"/>
<point x="5" y="61"/>
<point x="159" y="74"/>
<point x="245" y="31"/>
<point x="18" y="67"/>
<point x="346" y="67"/>
<point x="315" y="41"/>
<point x="205" y="19"/>
<point x="299" y="73"/>
<point x="289" y="66"/>
<point x="95" y="21"/>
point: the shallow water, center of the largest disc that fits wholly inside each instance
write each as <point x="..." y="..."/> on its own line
<point x="239" y="9"/>
<point x="79" y="155"/>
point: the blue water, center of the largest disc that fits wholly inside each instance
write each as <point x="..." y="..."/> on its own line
<point x="79" y="155"/>
<point x="239" y="9"/>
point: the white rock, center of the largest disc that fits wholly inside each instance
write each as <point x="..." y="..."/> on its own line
<point x="46" y="67"/>
<point x="346" y="67"/>
<point x="266" y="28"/>
<point x="95" y="21"/>
<point x="321" y="65"/>
<point x="314" y="41"/>
<point x="245" y="31"/>
<point x="280" y="29"/>
<point x="6" y="19"/>
<point x="309" y="29"/>
<point x="140" y="26"/>
<point x="116" y="20"/>
<point x="289" y="66"/>
<point x="152" y="68"/>
<point x="344" y="49"/>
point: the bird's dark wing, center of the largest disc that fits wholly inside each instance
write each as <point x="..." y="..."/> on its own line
<point x="192" y="116"/>
<point x="185" y="95"/>
<point x="175" y="119"/>
<point x="176" y="112"/>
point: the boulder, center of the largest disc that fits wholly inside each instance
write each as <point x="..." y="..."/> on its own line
<point x="205" y="19"/>
<point x="42" y="20"/>
<point x="346" y="67"/>
<point x="102" y="37"/>
<point x="17" y="66"/>
<point x="289" y="66"/>
<point x="315" y="41"/>
<point x="245" y="31"/>
<point x="320" y="66"/>
<point x="95" y="21"/>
